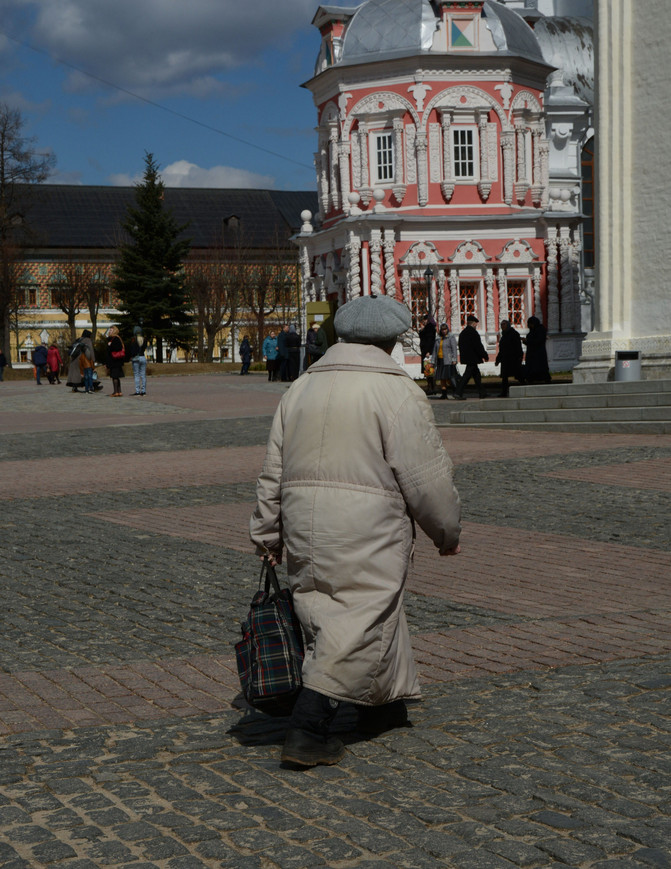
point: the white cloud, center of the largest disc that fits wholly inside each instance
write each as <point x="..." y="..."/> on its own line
<point x="161" y="47"/>
<point x="185" y="174"/>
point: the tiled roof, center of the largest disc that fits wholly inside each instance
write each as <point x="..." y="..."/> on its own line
<point x="69" y="216"/>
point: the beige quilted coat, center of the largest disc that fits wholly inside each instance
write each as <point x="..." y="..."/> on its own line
<point x="352" y="452"/>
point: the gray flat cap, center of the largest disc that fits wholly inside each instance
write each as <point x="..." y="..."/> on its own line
<point x="372" y="320"/>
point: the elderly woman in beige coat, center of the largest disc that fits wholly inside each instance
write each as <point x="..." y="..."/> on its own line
<point x="353" y="461"/>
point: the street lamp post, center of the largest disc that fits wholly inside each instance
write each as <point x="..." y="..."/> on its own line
<point x="428" y="277"/>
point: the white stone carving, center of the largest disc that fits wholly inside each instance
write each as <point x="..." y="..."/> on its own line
<point x="502" y="280"/>
<point x="398" y="188"/>
<point x="321" y="162"/>
<point x="517" y="251"/>
<point x="354" y="254"/>
<point x="343" y="99"/>
<point x="419" y="92"/>
<point x="380" y="103"/>
<point x="345" y="182"/>
<point x="410" y="159"/>
<point x="434" y="153"/>
<point x="508" y="147"/>
<point x="567" y="300"/>
<point x="455" y="319"/>
<point x="375" y="248"/>
<point x="354" y="200"/>
<point x="356" y="161"/>
<point x="421" y="255"/>
<point x="469" y="253"/>
<point x="389" y="246"/>
<point x="422" y="170"/>
<point x="378" y="196"/>
<point x="506" y="91"/>
<point x="538" y="308"/>
<point x="333" y="168"/>
<point x="363" y="155"/>
<point x="467" y="97"/>
<point x="406" y="288"/>
<point x="525" y="100"/>
<point x="442" y="286"/>
<point x="329" y="115"/>
<point x="447" y="186"/>
<point x="553" y="280"/>
<point x="306" y="217"/>
<point x="491" y="322"/>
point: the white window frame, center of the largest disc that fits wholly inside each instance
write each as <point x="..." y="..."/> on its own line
<point x="387" y="176"/>
<point x="459" y="131"/>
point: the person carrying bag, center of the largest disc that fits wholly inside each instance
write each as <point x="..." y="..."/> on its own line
<point x="270" y="653"/>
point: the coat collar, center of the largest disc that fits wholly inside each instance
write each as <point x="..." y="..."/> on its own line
<point x="357" y="357"/>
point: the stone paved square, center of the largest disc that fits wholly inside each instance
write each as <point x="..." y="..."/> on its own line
<point x="543" y="736"/>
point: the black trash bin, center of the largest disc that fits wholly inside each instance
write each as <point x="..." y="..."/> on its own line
<point x="627" y="365"/>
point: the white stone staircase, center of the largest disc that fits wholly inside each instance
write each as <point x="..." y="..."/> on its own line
<point x="641" y="406"/>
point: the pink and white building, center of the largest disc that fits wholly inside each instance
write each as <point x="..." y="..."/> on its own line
<point x="433" y="171"/>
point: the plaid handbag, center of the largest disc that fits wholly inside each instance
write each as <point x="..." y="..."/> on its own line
<point x="270" y="653"/>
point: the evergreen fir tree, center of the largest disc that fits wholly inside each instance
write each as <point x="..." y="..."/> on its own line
<point x="149" y="279"/>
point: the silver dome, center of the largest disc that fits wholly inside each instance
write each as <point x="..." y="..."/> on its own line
<point x="407" y="27"/>
<point x="390" y="26"/>
<point x="568" y="44"/>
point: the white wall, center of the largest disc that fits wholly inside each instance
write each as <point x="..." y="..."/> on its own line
<point x="651" y="187"/>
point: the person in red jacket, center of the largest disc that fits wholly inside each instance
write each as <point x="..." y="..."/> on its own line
<point x="54" y="362"/>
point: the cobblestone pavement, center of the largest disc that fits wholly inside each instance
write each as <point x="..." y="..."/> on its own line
<point x="544" y="650"/>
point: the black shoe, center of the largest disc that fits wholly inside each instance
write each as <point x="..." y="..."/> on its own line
<point x="309" y="749"/>
<point x="374" y="720"/>
<point x="443" y="395"/>
<point x="459" y="398"/>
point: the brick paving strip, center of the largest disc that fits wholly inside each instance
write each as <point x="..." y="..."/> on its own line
<point x="653" y="474"/>
<point x="573" y="599"/>
<point x="86" y="474"/>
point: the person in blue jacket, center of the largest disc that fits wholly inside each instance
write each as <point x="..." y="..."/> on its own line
<point x="269" y="351"/>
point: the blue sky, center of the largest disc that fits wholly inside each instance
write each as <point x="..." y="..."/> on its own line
<point x="70" y="67"/>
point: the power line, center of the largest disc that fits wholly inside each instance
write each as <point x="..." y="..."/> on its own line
<point x="153" y="103"/>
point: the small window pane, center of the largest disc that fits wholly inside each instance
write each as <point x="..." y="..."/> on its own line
<point x="468" y="299"/>
<point x="516" y="293"/>
<point x="464" y="154"/>
<point x="384" y="156"/>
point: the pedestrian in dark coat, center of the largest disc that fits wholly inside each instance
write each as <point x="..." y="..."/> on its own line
<point x="427" y="336"/>
<point x="293" y="344"/>
<point x="3" y="364"/>
<point x="536" y="366"/>
<point x="39" y="359"/>
<point x="510" y="356"/>
<point x="283" y="352"/>
<point x="471" y="353"/>
<point x="116" y="354"/>
<point x="245" y="355"/>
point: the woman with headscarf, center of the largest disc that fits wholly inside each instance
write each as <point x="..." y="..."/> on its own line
<point x="445" y="359"/>
<point x="116" y="354"/>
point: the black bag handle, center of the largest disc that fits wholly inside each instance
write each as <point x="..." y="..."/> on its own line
<point x="271" y="577"/>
